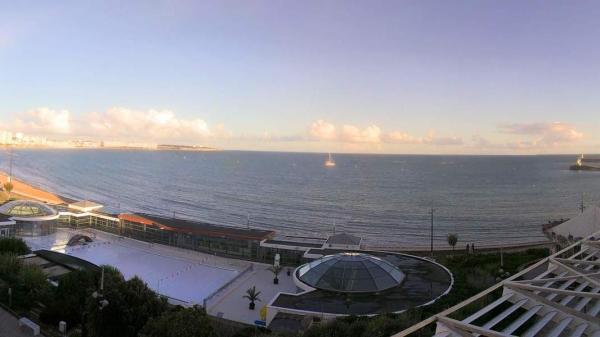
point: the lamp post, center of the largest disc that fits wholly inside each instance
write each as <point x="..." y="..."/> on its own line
<point x="432" y="210"/>
<point x="102" y="303"/>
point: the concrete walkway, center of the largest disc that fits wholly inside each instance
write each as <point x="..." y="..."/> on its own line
<point x="9" y="326"/>
<point x="234" y="307"/>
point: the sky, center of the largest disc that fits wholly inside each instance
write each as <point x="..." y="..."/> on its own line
<point x="450" y="77"/>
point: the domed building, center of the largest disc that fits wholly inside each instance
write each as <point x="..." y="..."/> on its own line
<point x="351" y="273"/>
<point x="358" y="282"/>
<point x="33" y="218"/>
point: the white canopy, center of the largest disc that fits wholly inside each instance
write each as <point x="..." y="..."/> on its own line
<point x="582" y="225"/>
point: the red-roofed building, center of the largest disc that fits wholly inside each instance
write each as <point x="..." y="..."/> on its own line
<point x="201" y="236"/>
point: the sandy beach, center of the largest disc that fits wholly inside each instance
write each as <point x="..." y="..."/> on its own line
<point x="24" y="190"/>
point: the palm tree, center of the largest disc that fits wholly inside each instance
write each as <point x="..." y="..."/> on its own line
<point x="8" y="187"/>
<point x="452" y="240"/>
<point x="276" y="269"/>
<point x="252" y="295"/>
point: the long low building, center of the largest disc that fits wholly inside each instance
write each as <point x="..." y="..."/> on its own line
<point x="201" y="236"/>
<point x="35" y="218"/>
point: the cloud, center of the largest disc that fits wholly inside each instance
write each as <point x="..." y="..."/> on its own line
<point x="398" y="137"/>
<point x="544" y="134"/>
<point x="117" y="123"/>
<point x="151" y="125"/>
<point x="373" y="134"/>
<point x="44" y="121"/>
<point x="353" y="134"/>
<point x="433" y="139"/>
<point x="322" y="130"/>
<point x="146" y="124"/>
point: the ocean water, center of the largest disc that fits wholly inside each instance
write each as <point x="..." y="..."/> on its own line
<point x="384" y="198"/>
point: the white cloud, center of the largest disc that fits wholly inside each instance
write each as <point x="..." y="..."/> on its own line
<point x="44" y="121"/>
<point x="399" y="137"/>
<point x="353" y="134"/>
<point x="544" y="134"/>
<point x="149" y="125"/>
<point x="373" y="134"/>
<point x="117" y="123"/>
<point x="322" y="130"/>
<point x="442" y="141"/>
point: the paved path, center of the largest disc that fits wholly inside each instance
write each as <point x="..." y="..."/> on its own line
<point x="8" y="325"/>
<point x="234" y="307"/>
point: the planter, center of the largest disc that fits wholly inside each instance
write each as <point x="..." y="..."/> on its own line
<point x="251" y="306"/>
<point x="275" y="281"/>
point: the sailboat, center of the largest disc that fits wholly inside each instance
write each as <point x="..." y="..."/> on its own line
<point x="329" y="162"/>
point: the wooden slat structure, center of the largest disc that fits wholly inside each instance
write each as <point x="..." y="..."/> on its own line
<point x="562" y="299"/>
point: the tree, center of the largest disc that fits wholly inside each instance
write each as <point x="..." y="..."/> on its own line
<point x="122" y="308"/>
<point x="33" y="284"/>
<point x="141" y="304"/>
<point x="13" y="245"/>
<point x="10" y="267"/>
<point x="252" y="296"/>
<point x="8" y="187"/>
<point x="452" y="240"/>
<point x="276" y="270"/>
<point x="69" y="298"/>
<point x="180" y="322"/>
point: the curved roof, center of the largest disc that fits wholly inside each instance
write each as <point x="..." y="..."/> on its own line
<point x="350" y="272"/>
<point x="27" y="209"/>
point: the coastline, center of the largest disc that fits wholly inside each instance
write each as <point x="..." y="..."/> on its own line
<point x="159" y="147"/>
<point x="24" y="190"/>
<point x="421" y="250"/>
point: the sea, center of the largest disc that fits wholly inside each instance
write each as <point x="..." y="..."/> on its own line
<point x="386" y="199"/>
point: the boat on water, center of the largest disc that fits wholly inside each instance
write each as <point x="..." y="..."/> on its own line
<point x="329" y="162"/>
<point x="586" y="164"/>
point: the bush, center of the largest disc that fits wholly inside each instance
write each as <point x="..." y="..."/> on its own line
<point x="14" y="246"/>
<point x="33" y="285"/>
<point x="131" y="304"/>
<point x="180" y="322"/>
<point x="69" y="298"/>
<point x="10" y="266"/>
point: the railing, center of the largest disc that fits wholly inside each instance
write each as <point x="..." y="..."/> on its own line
<point x="444" y="315"/>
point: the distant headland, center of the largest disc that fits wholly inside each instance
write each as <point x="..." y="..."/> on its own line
<point x="20" y="140"/>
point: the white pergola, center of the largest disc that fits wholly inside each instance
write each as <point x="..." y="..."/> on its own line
<point x="558" y="296"/>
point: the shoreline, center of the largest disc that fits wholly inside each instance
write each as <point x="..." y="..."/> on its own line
<point x="25" y="190"/>
<point x="420" y="250"/>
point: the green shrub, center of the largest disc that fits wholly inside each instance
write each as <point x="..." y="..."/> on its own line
<point x="13" y="245"/>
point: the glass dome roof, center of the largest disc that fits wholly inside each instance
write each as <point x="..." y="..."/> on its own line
<point x="27" y="209"/>
<point x="351" y="272"/>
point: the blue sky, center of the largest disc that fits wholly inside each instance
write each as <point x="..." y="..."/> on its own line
<point x="354" y="76"/>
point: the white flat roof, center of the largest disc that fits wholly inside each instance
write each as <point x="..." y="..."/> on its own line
<point x="182" y="275"/>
